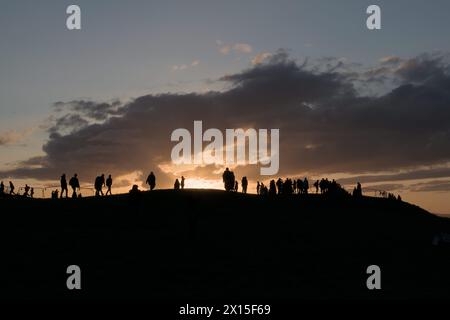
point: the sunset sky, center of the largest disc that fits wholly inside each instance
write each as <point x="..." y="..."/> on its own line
<point x="350" y="103"/>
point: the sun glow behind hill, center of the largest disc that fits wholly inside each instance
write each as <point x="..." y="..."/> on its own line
<point x="200" y="183"/>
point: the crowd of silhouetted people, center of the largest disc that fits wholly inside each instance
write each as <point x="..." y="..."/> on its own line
<point x="287" y="186"/>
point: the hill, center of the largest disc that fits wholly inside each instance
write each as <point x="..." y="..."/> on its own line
<point x="209" y="244"/>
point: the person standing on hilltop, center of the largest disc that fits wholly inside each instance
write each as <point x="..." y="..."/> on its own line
<point x="64" y="185"/>
<point x="74" y="184"/>
<point x="11" y="188"/>
<point x="2" y="188"/>
<point x="182" y="182"/>
<point x="151" y="181"/>
<point x="176" y="185"/>
<point x="109" y="183"/>
<point x="305" y="185"/>
<point x="244" y="184"/>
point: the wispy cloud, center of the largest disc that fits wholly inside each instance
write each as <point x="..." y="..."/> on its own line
<point x="234" y="47"/>
<point x="180" y="67"/>
<point x="12" y="137"/>
<point x="260" y="57"/>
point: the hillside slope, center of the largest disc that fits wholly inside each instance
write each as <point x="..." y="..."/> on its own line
<point x="210" y="244"/>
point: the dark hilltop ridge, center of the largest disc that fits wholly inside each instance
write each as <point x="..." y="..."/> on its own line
<point x="210" y="244"/>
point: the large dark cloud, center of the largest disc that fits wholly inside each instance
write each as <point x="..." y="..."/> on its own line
<point x="325" y="125"/>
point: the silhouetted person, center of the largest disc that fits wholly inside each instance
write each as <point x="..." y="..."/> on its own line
<point x="74" y="184"/>
<point x="64" y="185"/>
<point x="399" y="198"/>
<point x="32" y="193"/>
<point x="228" y="180"/>
<point x="258" y="187"/>
<point x="316" y="185"/>
<point x="134" y="189"/>
<point x="151" y="180"/>
<point x="299" y="186"/>
<point x="2" y="189"/>
<point x="305" y="185"/>
<point x="244" y="184"/>
<point x="272" y="187"/>
<point x="182" y="182"/>
<point x="98" y="186"/>
<point x="11" y="188"/>
<point x="357" y="192"/>
<point x="263" y="189"/>
<point x="27" y="189"/>
<point x="55" y="194"/>
<point x="135" y="193"/>
<point x="359" y="189"/>
<point x="287" y="186"/>
<point x="279" y="186"/>
<point x="176" y="185"/>
<point x="109" y="183"/>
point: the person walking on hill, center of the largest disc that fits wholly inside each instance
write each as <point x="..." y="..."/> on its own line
<point x="109" y="183"/>
<point x="27" y="190"/>
<point x="63" y="185"/>
<point x="11" y="188"/>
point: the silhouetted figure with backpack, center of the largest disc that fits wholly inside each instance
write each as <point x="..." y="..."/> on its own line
<point x="109" y="183"/>
<point x="176" y="185"/>
<point x="151" y="181"/>
<point x="11" y="188"/>
<point x="244" y="184"/>
<point x="64" y="185"/>
<point x="74" y="184"/>
<point x="182" y="182"/>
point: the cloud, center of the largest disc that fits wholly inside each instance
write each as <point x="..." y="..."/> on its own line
<point x="326" y="125"/>
<point x="181" y="67"/>
<point x="431" y="186"/>
<point x="236" y="47"/>
<point x="389" y="60"/>
<point x="260" y="57"/>
<point x="12" y="137"/>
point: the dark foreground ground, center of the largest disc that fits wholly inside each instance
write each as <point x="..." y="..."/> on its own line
<point x="195" y="244"/>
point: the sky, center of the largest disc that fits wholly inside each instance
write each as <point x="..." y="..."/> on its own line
<point x="351" y="103"/>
